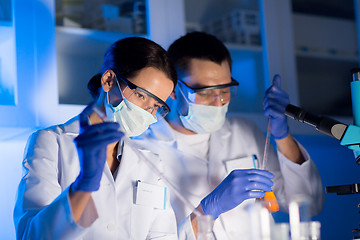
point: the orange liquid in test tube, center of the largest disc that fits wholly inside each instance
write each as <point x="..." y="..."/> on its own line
<point x="270" y="202"/>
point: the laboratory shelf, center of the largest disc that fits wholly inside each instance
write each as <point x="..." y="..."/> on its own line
<point x="82" y="40"/>
<point x="236" y="47"/>
<point x="330" y="54"/>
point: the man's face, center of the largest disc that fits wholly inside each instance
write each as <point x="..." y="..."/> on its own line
<point x="205" y="73"/>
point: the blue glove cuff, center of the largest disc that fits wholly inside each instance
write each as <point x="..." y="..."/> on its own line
<point x="282" y="134"/>
<point x="85" y="185"/>
<point x="279" y="128"/>
<point x="205" y="209"/>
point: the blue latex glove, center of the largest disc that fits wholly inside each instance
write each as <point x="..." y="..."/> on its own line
<point x="275" y="102"/>
<point x="238" y="186"/>
<point x="91" y="147"/>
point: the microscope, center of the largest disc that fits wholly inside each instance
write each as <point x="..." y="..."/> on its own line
<point x="348" y="135"/>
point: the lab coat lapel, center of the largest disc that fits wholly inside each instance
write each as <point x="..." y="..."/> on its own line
<point x="218" y="140"/>
<point x="132" y="168"/>
<point x="219" y="150"/>
<point x="128" y="163"/>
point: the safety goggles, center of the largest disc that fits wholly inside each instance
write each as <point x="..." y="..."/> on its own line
<point x="145" y="99"/>
<point x="208" y="95"/>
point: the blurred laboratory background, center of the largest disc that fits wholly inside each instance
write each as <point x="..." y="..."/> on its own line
<point x="49" y="49"/>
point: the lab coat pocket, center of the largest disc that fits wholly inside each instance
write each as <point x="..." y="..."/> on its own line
<point x="141" y="219"/>
<point x="150" y="195"/>
<point x="241" y="163"/>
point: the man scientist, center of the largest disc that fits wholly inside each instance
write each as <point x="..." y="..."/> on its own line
<point x="201" y="146"/>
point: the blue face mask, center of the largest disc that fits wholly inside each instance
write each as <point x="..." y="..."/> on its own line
<point x="133" y="119"/>
<point x="204" y="118"/>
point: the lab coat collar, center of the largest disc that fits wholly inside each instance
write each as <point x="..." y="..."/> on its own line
<point x="129" y="161"/>
<point x="161" y="131"/>
<point x="72" y="126"/>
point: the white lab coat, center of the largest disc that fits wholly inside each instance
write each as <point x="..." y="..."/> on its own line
<point x="195" y="177"/>
<point x="51" y="164"/>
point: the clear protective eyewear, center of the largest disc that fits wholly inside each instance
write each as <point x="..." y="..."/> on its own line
<point x="145" y="99"/>
<point x="208" y="95"/>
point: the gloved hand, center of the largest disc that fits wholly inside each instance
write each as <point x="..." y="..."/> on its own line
<point x="275" y="102"/>
<point x="238" y="186"/>
<point x="91" y="147"/>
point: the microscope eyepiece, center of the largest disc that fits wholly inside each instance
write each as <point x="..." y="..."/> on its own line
<point x="324" y="125"/>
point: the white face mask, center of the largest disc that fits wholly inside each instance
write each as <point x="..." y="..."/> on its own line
<point x="133" y="119"/>
<point x="204" y="118"/>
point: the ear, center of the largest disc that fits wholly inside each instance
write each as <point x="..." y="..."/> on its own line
<point x="173" y="94"/>
<point x="108" y="80"/>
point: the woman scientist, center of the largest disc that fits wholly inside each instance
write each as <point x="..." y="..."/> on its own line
<point x="99" y="187"/>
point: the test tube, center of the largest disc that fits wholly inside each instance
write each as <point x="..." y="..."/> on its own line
<point x="271" y="201"/>
<point x="261" y="222"/>
<point x="280" y="231"/>
<point x="301" y="226"/>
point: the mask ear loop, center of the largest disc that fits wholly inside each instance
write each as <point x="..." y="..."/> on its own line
<point x="183" y="94"/>
<point x="127" y="100"/>
<point x="191" y="96"/>
<point x="122" y="94"/>
<point x="186" y="100"/>
<point x="117" y="83"/>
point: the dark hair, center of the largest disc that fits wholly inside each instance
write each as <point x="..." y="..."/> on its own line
<point x="197" y="45"/>
<point x="128" y="56"/>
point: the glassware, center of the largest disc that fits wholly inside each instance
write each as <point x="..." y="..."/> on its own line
<point x="280" y="231"/>
<point x="301" y="226"/>
<point x="270" y="201"/>
<point x="205" y="223"/>
<point x="261" y="224"/>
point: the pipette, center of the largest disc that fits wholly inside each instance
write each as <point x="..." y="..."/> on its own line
<point x="269" y="198"/>
<point x="266" y="148"/>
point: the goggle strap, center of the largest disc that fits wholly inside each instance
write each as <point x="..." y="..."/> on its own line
<point x="182" y="93"/>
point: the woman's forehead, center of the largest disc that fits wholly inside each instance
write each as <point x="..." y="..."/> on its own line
<point x="154" y="81"/>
